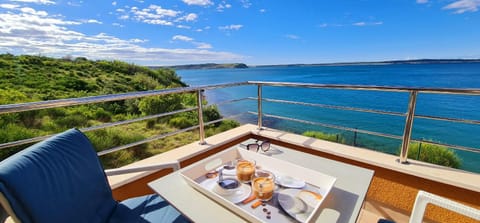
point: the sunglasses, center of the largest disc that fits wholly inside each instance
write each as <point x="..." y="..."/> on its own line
<point x="265" y="146"/>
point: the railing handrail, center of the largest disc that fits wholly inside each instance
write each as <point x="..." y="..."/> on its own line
<point x="12" y="108"/>
<point x="466" y="91"/>
<point x="410" y="113"/>
<point x="28" y="106"/>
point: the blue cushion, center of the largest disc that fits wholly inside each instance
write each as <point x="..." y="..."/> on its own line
<point x="148" y="208"/>
<point x="57" y="180"/>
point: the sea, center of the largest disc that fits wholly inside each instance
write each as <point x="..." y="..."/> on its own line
<point x="432" y="75"/>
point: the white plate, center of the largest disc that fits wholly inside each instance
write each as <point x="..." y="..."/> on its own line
<point x="288" y="181"/>
<point x="298" y="203"/>
<point x="236" y="197"/>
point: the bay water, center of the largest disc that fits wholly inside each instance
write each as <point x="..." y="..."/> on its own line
<point x="452" y="75"/>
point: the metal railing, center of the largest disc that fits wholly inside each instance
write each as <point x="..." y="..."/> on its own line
<point x="199" y="90"/>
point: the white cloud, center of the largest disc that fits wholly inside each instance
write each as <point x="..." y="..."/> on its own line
<point x="33" y="12"/>
<point x="42" y="2"/>
<point x="263" y="10"/>
<point x="191" y="17"/>
<point x="118" y="25"/>
<point x="203" y="45"/>
<point x="359" y="24"/>
<point x="366" y="24"/>
<point x="75" y="4"/>
<point x="223" y="5"/>
<point x="31" y="32"/>
<point x="163" y="12"/>
<point x="157" y="15"/>
<point x="422" y="1"/>
<point x="9" y="6"/>
<point x="182" y="38"/>
<point x="138" y="40"/>
<point x="114" y="3"/>
<point x="246" y="3"/>
<point x="92" y="21"/>
<point x="230" y="27"/>
<point x="198" y="2"/>
<point x="199" y="45"/>
<point x="291" y="36"/>
<point x="462" y="6"/>
<point x="158" y="22"/>
<point x="183" y="27"/>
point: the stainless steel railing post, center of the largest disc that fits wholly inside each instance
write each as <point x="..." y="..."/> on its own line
<point x="259" y="104"/>
<point x="407" y="132"/>
<point x="201" y="127"/>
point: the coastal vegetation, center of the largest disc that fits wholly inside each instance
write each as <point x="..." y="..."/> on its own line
<point x="435" y="154"/>
<point x="425" y="152"/>
<point x="28" y="78"/>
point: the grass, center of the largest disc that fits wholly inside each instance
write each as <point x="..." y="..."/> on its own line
<point x="435" y="154"/>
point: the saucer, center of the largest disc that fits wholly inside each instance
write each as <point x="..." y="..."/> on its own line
<point x="297" y="204"/>
<point x="238" y="196"/>
<point x="288" y="181"/>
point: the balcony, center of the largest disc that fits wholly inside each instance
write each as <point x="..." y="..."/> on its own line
<point x="393" y="188"/>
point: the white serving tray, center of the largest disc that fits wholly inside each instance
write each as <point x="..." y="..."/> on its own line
<point x="195" y="177"/>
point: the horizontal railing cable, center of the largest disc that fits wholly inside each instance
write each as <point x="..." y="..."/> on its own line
<point x="118" y="148"/>
<point x="333" y="107"/>
<point x="331" y="126"/>
<point x="456" y="147"/>
<point x="12" y="108"/>
<point x="162" y="136"/>
<point x="229" y="101"/>
<point x="458" y="120"/>
<point x="93" y="128"/>
<point x="464" y="91"/>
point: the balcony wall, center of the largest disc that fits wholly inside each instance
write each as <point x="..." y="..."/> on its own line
<point x="391" y="193"/>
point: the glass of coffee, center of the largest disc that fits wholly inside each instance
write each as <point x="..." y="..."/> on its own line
<point x="263" y="184"/>
<point x="245" y="170"/>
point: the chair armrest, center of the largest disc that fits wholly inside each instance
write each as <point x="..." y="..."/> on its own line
<point x="424" y="198"/>
<point x="175" y="165"/>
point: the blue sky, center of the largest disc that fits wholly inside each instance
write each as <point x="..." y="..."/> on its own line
<point x="253" y="32"/>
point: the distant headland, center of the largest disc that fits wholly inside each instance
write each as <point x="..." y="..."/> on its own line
<point x="387" y="62"/>
<point x="203" y="66"/>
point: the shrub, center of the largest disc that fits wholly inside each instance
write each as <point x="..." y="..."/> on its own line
<point x="160" y="104"/>
<point x="108" y="138"/>
<point x="181" y="122"/>
<point x="325" y="136"/>
<point x="73" y="120"/>
<point x="222" y="127"/>
<point x="151" y="124"/>
<point x="435" y="154"/>
<point x="10" y="133"/>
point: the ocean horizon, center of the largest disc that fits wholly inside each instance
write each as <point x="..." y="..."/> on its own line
<point x="433" y="75"/>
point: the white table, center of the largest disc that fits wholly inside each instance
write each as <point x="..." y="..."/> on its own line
<point x="343" y="204"/>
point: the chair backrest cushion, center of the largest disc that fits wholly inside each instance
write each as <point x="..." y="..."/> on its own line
<point x="57" y="180"/>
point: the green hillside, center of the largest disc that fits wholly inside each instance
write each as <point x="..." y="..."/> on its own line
<point x="37" y="78"/>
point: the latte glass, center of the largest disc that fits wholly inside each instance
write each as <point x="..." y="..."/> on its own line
<point x="245" y="170"/>
<point x="263" y="184"/>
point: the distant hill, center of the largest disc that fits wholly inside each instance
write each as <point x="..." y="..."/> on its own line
<point x="203" y="66"/>
<point x="387" y="62"/>
<point x="36" y="78"/>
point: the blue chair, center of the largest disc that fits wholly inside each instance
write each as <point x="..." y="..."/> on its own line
<point x="62" y="180"/>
